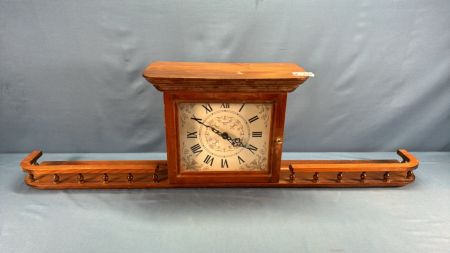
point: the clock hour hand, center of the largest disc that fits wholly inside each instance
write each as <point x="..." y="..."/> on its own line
<point x="235" y="143"/>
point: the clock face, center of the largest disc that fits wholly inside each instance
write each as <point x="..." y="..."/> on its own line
<point x="224" y="136"/>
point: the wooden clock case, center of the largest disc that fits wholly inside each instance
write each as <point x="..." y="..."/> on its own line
<point x="173" y="148"/>
<point x="224" y="83"/>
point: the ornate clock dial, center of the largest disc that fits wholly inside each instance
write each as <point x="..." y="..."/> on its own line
<point x="224" y="136"/>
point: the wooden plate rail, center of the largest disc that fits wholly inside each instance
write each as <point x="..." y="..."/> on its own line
<point x="153" y="174"/>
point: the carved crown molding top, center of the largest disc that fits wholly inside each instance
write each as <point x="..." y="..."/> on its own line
<point x="224" y="77"/>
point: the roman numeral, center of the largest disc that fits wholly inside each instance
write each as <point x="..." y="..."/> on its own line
<point x="196" y="149"/>
<point x="240" y="159"/>
<point x="224" y="163"/>
<point x="192" y="135"/>
<point x="194" y="118"/>
<point x="225" y="106"/>
<point x="241" y="107"/>
<point x="252" y="148"/>
<point x="253" y="119"/>
<point x="209" y="159"/>
<point x="256" y="134"/>
<point x="208" y="108"/>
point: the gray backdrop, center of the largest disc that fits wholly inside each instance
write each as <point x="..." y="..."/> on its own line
<point x="70" y="71"/>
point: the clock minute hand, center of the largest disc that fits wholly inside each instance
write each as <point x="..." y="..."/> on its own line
<point x="236" y="142"/>
<point x="212" y="128"/>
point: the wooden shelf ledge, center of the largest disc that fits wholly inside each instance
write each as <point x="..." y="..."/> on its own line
<point x="153" y="174"/>
<point x="408" y="164"/>
<point x="30" y="165"/>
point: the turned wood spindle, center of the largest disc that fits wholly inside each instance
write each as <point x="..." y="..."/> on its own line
<point x="315" y="177"/>
<point x="80" y="178"/>
<point x="409" y="174"/>
<point x="130" y="178"/>
<point x="56" y="179"/>
<point x="363" y="177"/>
<point x="31" y="177"/>
<point x="105" y="178"/>
<point x="386" y="177"/>
<point x="339" y="177"/>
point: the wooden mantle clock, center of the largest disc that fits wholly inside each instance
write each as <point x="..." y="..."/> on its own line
<point x="224" y="128"/>
<point x="224" y="122"/>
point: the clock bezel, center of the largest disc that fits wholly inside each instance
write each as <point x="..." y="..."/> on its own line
<point x="171" y="101"/>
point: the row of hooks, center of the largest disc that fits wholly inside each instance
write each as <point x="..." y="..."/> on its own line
<point x="340" y="176"/>
<point x="81" y="179"/>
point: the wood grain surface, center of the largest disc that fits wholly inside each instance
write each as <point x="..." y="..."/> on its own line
<point x="184" y="82"/>
<point x="224" y="77"/>
<point x="143" y="174"/>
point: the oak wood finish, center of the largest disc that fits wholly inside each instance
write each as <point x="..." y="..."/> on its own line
<point x="408" y="164"/>
<point x="220" y="82"/>
<point x="84" y="171"/>
<point x="142" y="177"/>
<point x="68" y="167"/>
<point x="224" y="77"/>
<point x="411" y="163"/>
<point x="193" y="82"/>
<point x="277" y="136"/>
<point x="119" y="181"/>
<point x="171" y="137"/>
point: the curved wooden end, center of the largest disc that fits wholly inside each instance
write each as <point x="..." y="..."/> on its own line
<point x="408" y="158"/>
<point x="30" y="160"/>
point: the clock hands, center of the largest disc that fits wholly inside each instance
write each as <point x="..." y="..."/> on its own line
<point x="235" y="143"/>
<point x="212" y="128"/>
